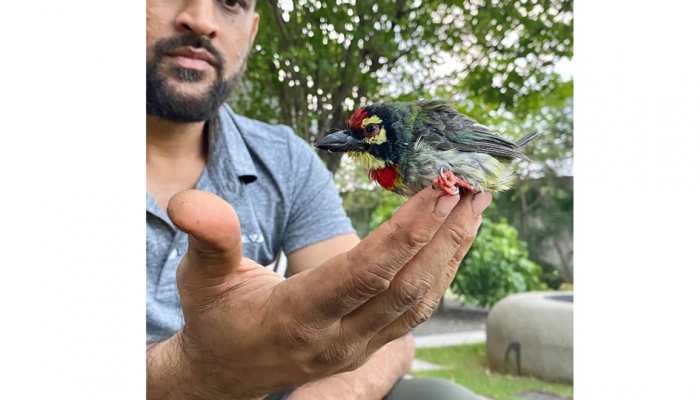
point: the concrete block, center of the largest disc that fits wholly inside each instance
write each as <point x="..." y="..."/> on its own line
<point x="532" y="334"/>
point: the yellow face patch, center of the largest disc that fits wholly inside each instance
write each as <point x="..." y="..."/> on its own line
<point x="371" y="120"/>
<point x="378" y="138"/>
<point x="367" y="160"/>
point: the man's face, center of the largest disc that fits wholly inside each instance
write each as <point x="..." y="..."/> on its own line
<point x="196" y="53"/>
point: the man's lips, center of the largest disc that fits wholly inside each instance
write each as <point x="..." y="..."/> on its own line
<point x="191" y="63"/>
<point x="188" y="57"/>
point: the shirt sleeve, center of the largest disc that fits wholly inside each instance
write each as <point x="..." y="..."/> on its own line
<point x="316" y="212"/>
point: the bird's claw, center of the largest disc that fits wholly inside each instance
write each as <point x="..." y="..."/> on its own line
<point x="450" y="184"/>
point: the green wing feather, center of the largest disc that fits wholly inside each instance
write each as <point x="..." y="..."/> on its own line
<point x="442" y="127"/>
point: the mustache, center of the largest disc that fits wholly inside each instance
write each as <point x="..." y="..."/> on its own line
<point x="165" y="46"/>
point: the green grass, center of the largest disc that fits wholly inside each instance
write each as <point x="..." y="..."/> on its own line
<point x="467" y="365"/>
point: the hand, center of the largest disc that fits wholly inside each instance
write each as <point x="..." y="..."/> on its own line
<point x="373" y="380"/>
<point x="248" y="332"/>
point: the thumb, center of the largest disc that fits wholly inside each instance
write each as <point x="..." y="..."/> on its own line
<point x="214" y="251"/>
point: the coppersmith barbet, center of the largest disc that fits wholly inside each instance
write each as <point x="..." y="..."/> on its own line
<point x="408" y="146"/>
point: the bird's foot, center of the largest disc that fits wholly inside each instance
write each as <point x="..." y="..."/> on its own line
<point x="451" y="184"/>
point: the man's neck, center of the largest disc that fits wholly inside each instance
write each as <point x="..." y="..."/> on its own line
<point x="167" y="140"/>
<point x="175" y="157"/>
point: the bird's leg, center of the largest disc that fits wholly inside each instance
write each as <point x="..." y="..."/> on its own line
<point x="449" y="183"/>
<point x="446" y="182"/>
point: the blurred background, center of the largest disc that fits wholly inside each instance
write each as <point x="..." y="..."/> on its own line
<point x="506" y="64"/>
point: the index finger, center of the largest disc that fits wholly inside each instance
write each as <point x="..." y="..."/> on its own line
<point x="436" y="264"/>
<point x="349" y="280"/>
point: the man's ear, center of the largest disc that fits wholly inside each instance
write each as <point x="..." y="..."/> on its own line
<point x="254" y="29"/>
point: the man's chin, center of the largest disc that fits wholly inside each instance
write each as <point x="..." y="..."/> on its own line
<point x="197" y="99"/>
<point x="190" y="92"/>
<point x="184" y="102"/>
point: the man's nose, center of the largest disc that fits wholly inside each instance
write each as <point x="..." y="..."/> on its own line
<point x="198" y="17"/>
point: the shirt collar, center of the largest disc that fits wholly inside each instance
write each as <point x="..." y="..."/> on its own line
<point x="229" y="158"/>
<point x="229" y="163"/>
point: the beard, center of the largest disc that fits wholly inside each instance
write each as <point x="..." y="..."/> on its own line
<point x="165" y="102"/>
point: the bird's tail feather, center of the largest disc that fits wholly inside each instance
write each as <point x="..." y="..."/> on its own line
<point x="527" y="139"/>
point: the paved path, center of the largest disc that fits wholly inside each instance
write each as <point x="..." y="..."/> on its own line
<point x="420" y="365"/>
<point x="451" y="339"/>
<point x="455" y="324"/>
<point x="453" y="317"/>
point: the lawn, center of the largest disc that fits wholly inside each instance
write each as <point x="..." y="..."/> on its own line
<point x="467" y="366"/>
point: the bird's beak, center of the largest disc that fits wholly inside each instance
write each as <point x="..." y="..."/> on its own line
<point x="340" y="142"/>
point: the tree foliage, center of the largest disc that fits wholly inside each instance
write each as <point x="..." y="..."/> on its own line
<point x="497" y="265"/>
<point x="542" y="212"/>
<point x="540" y="205"/>
<point x="317" y="60"/>
<point x="370" y="208"/>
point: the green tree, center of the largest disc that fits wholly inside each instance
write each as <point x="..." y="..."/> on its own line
<point x="497" y="265"/>
<point x="316" y="60"/>
<point x="540" y="205"/>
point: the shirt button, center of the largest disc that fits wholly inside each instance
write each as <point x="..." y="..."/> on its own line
<point x="173" y="254"/>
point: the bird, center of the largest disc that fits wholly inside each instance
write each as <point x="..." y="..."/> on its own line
<point x="407" y="146"/>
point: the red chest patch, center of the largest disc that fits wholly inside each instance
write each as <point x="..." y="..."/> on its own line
<point x="386" y="177"/>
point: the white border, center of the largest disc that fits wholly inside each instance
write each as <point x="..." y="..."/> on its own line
<point x="72" y="156"/>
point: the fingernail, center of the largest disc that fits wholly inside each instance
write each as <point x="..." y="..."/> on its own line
<point x="445" y="204"/>
<point x="480" y="201"/>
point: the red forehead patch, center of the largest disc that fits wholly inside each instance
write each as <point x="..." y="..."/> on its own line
<point x="355" y="121"/>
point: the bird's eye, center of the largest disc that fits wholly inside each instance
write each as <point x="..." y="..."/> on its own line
<point x="372" y="129"/>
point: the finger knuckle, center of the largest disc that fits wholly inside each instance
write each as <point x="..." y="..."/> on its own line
<point x="416" y="239"/>
<point x="422" y="312"/>
<point x="412" y="239"/>
<point x="407" y="294"/>
<point x="370" y="281"/>
<point x="458" y="235"/>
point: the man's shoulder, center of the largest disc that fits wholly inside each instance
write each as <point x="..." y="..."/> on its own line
<point x="268" y="140"/>
<point x="257" y="132"/>
<point x="275" y="146"/>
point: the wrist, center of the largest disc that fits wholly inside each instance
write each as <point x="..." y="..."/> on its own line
<point x="165" y="370"/>
<point x="172" y="374"/>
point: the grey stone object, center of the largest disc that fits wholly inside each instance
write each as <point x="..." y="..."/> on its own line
<point x="533" y="334"/>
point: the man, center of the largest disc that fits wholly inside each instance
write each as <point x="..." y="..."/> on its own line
<point x="221" y="326"/>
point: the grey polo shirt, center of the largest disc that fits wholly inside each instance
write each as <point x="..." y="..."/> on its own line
<point x="284" y="196"/>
